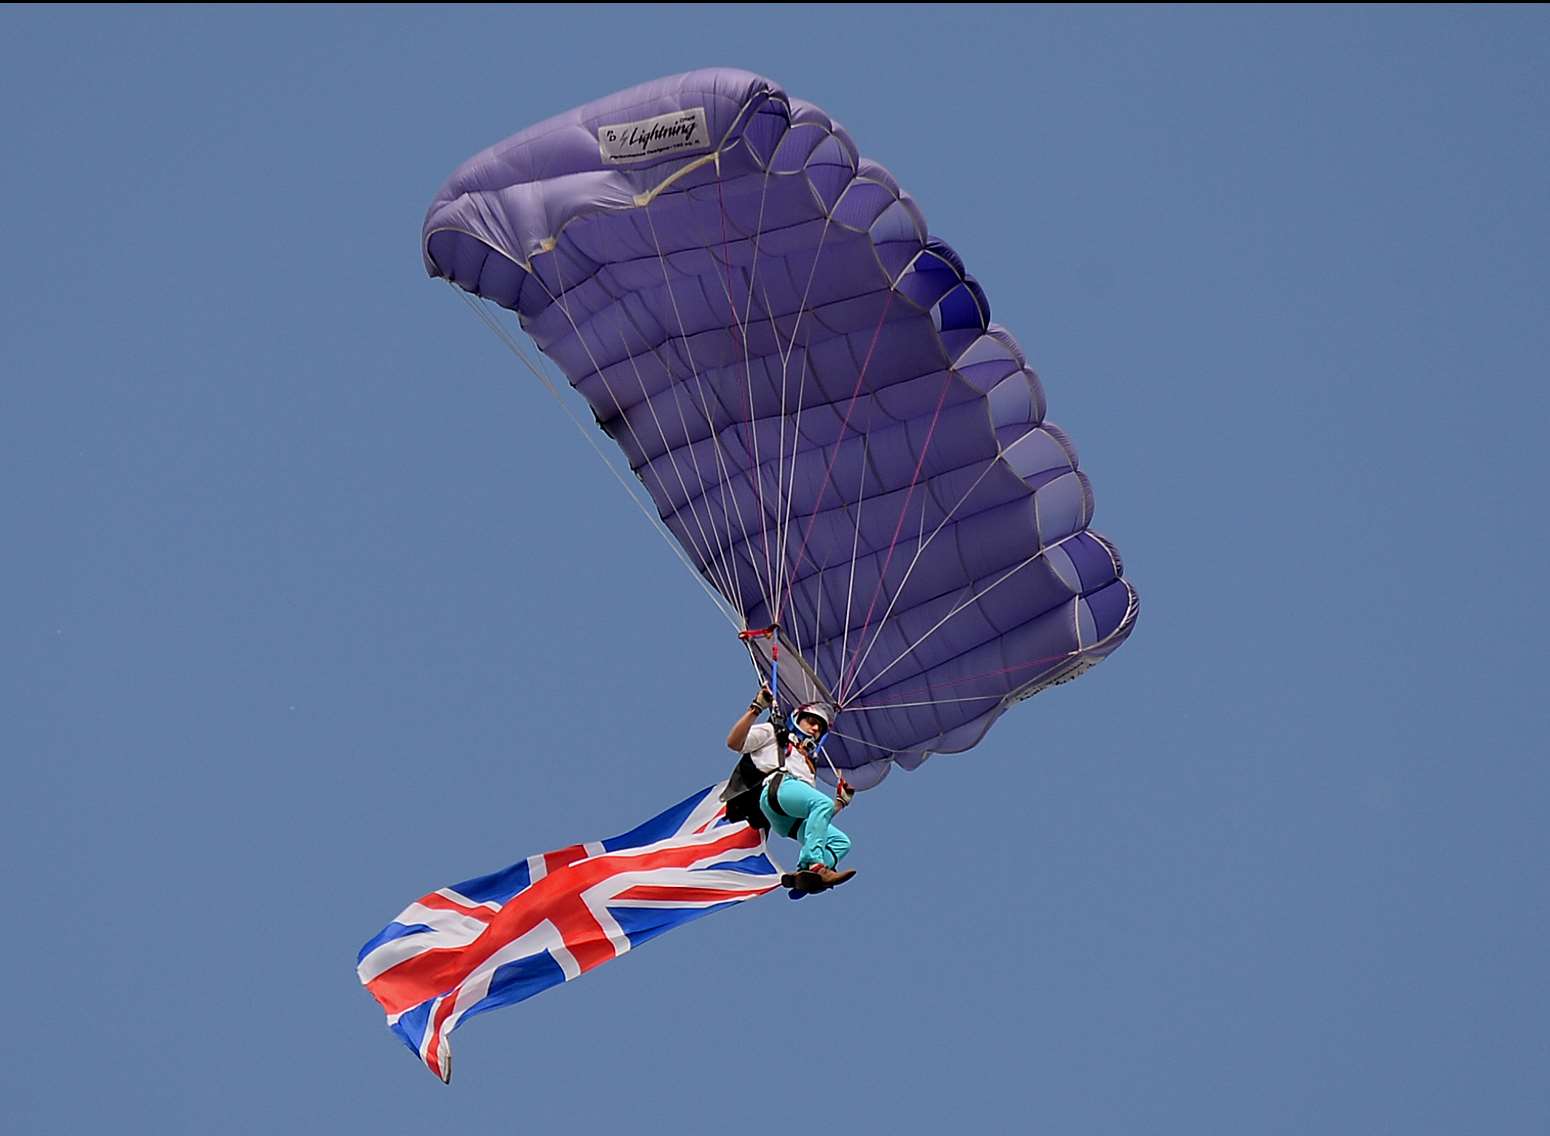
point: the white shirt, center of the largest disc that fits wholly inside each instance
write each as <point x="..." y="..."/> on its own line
<point x="760" y="746"/>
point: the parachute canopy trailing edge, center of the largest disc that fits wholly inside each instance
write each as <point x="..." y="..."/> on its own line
<point x="810" y="390"/>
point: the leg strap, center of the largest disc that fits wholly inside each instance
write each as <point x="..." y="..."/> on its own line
<point x="773" y="790"/>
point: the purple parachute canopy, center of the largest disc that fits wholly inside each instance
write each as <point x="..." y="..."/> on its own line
<point x="810" y="389"/>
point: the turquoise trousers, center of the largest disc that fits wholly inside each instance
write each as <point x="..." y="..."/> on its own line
<point x="821" y="842"/>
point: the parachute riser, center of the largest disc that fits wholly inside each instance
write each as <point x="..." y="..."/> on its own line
<point x="769" y="633"/>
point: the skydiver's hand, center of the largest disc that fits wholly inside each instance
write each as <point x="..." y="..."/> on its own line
<point x="843" y="794"/>
<point x="762" y="701"/>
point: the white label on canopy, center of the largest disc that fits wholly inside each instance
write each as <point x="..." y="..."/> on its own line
<point x="653" y="137"/>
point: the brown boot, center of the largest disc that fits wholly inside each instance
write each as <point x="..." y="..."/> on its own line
<point x="816" y="878"/>
<point x="831" y="877"/>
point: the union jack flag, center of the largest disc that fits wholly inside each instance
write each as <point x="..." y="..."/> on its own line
<point x="504" y="937"/>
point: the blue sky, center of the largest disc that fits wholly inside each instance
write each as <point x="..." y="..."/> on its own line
<point x="313" y="601"/>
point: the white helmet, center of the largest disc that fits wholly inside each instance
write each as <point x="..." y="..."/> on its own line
<point x="820" y="710"/>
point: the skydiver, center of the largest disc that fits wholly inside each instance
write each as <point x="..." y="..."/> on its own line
<point x="789" y="802"/>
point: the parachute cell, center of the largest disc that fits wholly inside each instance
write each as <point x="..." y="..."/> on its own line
<point x="810" y="390"/>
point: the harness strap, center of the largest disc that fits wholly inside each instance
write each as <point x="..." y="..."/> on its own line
<point x="773" y="789"/>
